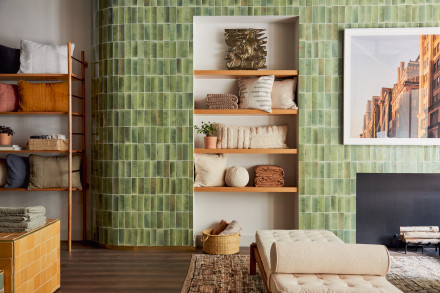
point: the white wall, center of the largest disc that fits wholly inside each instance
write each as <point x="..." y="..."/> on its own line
<point x="50" y="22"/>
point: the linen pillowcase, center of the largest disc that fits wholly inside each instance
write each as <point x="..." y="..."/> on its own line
<point x="53" y="172"/>
<point x="8" y="97"/>
<point x="9" y="60"/>
<point x="283" y="94"/>
<point x="43" y="97"/>
<point x="40" y="58"/>
<point x="255" y="93"/>
<point x="18" y="171"/>
<point x="3" y="172"/>
<point x="210" y="169"/>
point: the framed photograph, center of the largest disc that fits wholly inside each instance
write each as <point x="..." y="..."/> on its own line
<point x="392" y="86"/>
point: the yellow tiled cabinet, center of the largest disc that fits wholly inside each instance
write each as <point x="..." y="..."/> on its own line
<point x="31" y="261"/>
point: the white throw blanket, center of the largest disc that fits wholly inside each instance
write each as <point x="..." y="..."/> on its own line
<point x="248" y="137"/>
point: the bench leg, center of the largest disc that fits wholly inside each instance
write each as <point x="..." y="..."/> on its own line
<point x="253" y="261"/>
<point x="406" y="248"/>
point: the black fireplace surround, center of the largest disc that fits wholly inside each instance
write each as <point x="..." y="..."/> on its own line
<point x="384" y="202"/>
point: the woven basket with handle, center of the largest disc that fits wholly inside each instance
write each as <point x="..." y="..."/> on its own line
<point x="220" y="244"/>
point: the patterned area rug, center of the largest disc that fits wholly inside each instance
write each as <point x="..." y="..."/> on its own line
<point x="230" y="273"/>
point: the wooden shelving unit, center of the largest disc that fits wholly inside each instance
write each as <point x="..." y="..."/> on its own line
<point x="245" y="189"/>
<point x="70" y="77"/>
<point x="234" y="74"/>
<point x="245" y="112"/>
<point x="247" y="151"/>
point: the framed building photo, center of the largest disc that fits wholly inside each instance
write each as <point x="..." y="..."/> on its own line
<point x="392" y="86"/>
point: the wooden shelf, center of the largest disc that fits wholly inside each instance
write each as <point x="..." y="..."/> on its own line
<point x="36" y="77"/>
<point x="244" y="112"/>
<point x="39" y="113"/>
<point x="246" y="151"/>
<point x="39" y="152"/>
<point x="233" y="74"/>
<point x="37" y="189"/>
<point x="245" y="189"/>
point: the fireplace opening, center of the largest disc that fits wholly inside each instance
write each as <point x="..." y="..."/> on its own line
<point x="384" y="202"/>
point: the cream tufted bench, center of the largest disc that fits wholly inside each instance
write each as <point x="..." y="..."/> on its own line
<point x="299" y="282"/>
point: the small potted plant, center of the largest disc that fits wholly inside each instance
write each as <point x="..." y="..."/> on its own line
<point x="208" y="129"/>
<point x="6" y="134"/>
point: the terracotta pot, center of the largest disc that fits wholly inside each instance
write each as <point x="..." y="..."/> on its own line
<point x="210" y="142"/>
<point x="5" y="139"/>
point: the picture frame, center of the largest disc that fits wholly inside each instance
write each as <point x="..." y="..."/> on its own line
<point x="392" y="86"/>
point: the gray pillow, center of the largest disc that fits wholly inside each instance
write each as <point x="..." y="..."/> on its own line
<point x="52" y="172"/>
<point x="255" y="93"/>
<point x="18" y="171"/>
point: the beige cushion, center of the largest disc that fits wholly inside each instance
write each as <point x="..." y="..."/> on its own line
<point x="404" y="229"/>
<point x="329" y="258"/>
<point x="283" y="94"/>
<point x="210" y="169"/>
<point x="233" y="228"/>
<point x="237" y="176"/>
<point x="322" y="283"/>
<point x="52" y="172"/>
<point x="3" y="172"/>
<point x="265" y="238"/>
<point x="255" y="93"/>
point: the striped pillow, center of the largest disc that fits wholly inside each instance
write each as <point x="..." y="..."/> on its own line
<point x="255" y="93"/>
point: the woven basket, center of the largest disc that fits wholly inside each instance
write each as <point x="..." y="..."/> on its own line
<point x="48" y="144"/>
<point x="220" y="244"/>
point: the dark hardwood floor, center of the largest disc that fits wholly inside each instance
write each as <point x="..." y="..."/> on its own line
<point x="89" y="268"/>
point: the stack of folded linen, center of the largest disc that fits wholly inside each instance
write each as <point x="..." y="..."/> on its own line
<point x="269" y="176"/>
<point x="222" y="101"/>
<point x="17" y="220"/>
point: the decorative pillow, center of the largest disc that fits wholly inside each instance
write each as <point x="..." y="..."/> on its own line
<point x="18" y="171"/>
<point x="233" y="228"/>
<point x="53" y="172"/>
<point x="3" y="172"/>
<point x="43" y="97"/>
<point x="9" y="59"/>
<point x="220" y="227"/>
<point x="237" y="176"/>
<point x="210" y="169"/>
<point x="283" y="94"/>
<point x="8" y="97"/>
<point x="255" y="93"/>
<point x="39" y="58"/>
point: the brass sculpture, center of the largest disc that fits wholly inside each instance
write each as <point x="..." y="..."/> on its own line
<point x="247" y="48"/>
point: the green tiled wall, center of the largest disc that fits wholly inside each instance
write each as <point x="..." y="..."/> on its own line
<point x="142" y="118"/>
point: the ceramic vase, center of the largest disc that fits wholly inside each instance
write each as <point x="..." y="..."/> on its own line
<point x="5" y="139"/>
<point x="210" y="142"/>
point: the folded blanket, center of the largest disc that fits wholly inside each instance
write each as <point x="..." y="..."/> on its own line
<point x="220" y="98"/>
<point x="4" y="228"/>
<point x="223" y="106"/>
<point x="23" y="224"/>
<point x="422" y="241"/>
<point x="268" y="182"/>
<point x="4" y="211"/>
<point x="20" y="218"/>
<point x="269" y="171"/>
<point x="423" y="235"/>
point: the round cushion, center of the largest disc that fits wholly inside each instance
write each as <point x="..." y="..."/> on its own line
<point x="237" y="176"/>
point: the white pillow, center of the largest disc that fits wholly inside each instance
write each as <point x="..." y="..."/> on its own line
<point x="39" y="58"/>
<point x="210" y="169"/>
<point x="283" y="94"/>
<point x="255" y="93"/>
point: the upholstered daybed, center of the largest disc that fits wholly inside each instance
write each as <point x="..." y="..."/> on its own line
<point x="318" y="261"/>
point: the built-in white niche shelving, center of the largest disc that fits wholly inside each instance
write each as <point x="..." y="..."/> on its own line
<point x="254" y="209"/>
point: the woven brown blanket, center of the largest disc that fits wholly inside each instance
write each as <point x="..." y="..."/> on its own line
<point x="269" y="171"/>
<point x="223" y="106"/>
<point x="269" y="181"/>
<point x="221" y="98"/>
